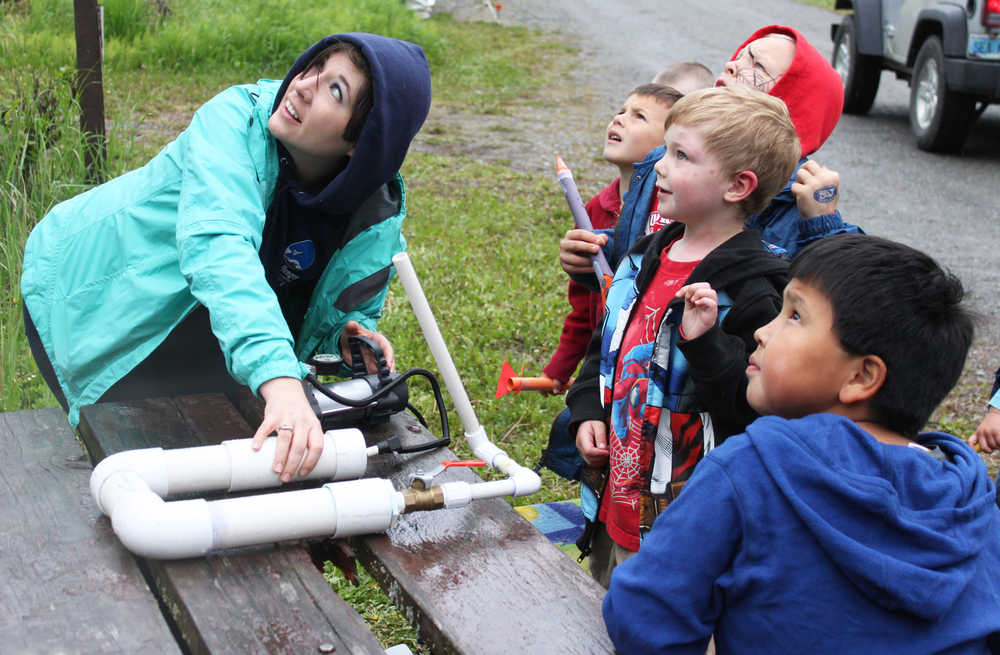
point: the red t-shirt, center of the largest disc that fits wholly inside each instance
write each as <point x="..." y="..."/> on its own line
<point x="630" y="454"/>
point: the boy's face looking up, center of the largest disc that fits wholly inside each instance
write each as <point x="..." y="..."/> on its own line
<point x="800" y="366"/>
<point x="760" y="64"/>
<point x="314" y="113"/>
<point x="690" y="179"/>
<point x="636" y="129"/>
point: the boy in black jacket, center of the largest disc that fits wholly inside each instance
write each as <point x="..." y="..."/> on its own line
<point x="648" y="403"/>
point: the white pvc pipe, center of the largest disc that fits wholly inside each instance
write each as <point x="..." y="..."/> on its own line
<point x="526" y="481"/>
<point x="425" y="317"/>
<point x="150" y="527"/>
<point x="230" y="466"/>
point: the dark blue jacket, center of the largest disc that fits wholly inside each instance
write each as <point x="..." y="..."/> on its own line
<point x="809" y="536"/>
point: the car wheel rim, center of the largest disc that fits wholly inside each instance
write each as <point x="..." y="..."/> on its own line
<point x="842" y="61"/>
<point x="927" y="94"/>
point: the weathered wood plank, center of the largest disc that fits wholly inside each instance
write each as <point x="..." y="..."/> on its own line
<point x="262" y="600"/>
<point x="68" y="586"/>
<point x="479" y="579"/>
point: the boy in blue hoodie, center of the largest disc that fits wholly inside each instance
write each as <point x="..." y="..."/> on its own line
<point x="263" y="234"/>
<point x="830" y="526"/>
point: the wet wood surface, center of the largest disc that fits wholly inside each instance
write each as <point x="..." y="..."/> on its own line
<point x="268" y="599"/>
<point x="478" y="579"/>
<point x="68" y="585"/>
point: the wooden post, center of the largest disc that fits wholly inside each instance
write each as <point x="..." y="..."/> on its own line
<point x="90" y="84"/>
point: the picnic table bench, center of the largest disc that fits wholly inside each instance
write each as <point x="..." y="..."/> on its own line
<point x="479" y="579"/>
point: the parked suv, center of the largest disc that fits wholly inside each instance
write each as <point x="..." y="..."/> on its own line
<point x="948" y="50"/>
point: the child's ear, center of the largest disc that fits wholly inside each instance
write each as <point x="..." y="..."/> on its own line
<point x="869" y="375"/>
<point x="741" y="186"/>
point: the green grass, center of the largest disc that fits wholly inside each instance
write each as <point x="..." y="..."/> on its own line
<point x="477" y="233"/>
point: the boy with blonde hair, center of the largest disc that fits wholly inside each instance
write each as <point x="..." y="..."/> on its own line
<point x="649" y="402"/>
<point x="834" y="527"/>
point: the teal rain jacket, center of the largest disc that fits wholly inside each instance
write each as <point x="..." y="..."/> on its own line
<point x="109" y="273"/>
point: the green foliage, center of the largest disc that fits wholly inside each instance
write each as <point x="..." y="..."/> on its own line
<point x="388" y="624"/>
<point x="127" y="19"/>
<point x="41" y="162"/>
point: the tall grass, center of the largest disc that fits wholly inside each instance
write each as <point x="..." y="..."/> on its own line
<point x="41" y="162"/>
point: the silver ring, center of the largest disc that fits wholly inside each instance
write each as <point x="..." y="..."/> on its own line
<point x="285" y="427"/>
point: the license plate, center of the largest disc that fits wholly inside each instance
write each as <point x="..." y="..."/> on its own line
<point x="984" y="47"/>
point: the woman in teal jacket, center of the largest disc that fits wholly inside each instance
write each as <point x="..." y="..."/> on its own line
<point x="263" y="234"/>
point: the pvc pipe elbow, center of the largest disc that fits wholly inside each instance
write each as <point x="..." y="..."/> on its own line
<point x="147" y="463"/>
<point x="483" y="448"/>
<point x="150" y="527"/>
<point x="526" y="481"/>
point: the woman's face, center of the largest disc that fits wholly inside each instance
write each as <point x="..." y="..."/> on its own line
<point x="760" y="64"/>
<point x="313" y="114"/>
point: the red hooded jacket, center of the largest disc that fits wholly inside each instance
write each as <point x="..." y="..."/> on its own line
<point x="812" y="89"/>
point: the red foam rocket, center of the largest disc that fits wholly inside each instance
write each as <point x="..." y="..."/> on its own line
<point x="511" y="382"/>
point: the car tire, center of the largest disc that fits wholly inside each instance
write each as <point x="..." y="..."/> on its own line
<point x="859" y="73"/>
<point x="939" y="118"/>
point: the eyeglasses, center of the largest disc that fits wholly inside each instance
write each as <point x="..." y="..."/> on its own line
<point x="747" y="73"/>
<point x="755" y="78"/>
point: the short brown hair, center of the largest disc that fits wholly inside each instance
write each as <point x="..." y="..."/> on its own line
<point x="665" y="95"/>
<point x="697" y="73"/>
<point x="746" y="130"/>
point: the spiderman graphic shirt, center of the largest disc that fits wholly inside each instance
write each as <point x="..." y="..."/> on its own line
<point x="631" y="455"/>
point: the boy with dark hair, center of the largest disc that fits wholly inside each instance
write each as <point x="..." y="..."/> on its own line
<point x="651" y="399"/>
<point x="834" y="527"/>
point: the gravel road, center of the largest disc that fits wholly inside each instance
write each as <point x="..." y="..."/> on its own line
<point x="944" y="205"/>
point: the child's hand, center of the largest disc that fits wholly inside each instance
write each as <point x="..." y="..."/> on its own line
<point x="592" y="442"/>
<point x="577" y="247"/>
<point x="558" y="386"/>
<point x="816" y="190"/>
<point x="701" y="309"/>
<point x="987" y="436"/>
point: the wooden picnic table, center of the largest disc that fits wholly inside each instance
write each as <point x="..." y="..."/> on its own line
<point x="479" y="579"/>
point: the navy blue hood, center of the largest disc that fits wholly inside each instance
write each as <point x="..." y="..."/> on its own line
<point x="904" y="527"/>
<point x="401" y="94"/>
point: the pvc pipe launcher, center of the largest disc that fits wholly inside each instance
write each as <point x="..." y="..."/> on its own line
<point x="131" y="486"/>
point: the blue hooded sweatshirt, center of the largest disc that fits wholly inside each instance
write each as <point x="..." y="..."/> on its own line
<point x="809" y="536"/>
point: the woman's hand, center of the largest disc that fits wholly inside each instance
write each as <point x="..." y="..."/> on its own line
<point x="288" y="413"/>
<point x="353" y="328"/>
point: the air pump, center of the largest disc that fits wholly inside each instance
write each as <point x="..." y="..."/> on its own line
<point x="368" y="398"/>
